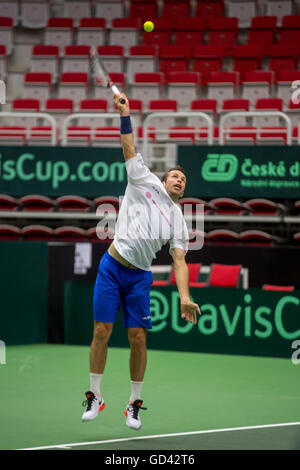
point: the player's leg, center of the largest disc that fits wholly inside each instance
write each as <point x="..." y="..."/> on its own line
<point x="137" y="318"/>
<point x="106" y="306"/>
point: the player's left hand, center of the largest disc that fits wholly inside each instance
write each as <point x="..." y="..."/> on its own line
<point x="189" y="311"/>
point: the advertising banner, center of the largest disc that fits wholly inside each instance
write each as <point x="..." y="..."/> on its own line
<point x="241" y="171"/>
<point x="233" y="321"/>
<point x="58" y="171"/>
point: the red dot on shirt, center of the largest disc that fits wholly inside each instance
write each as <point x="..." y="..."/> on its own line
<point x="148" y="194"/>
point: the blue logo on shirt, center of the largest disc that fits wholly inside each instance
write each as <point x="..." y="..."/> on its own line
<point x="156" y="190"/>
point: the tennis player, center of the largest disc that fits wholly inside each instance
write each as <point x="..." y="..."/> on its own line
<point x="125" y="269"/>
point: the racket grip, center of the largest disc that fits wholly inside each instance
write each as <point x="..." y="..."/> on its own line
<point x="116" y="91"/>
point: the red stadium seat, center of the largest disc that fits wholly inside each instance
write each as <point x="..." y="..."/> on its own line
<point x="228" y="206"/>
<point x="189" y="31"/>
<point x="29" y="106"/>
<point x="208" y="10"/>
<point x="7" y="33"/>
<point x="183" y="134"/>
<point x="173" y="58"/>
<point x="73" y="203"/>
<point x="247" y="58"/>
<point x="262" y="206"/>
<point x="100" y="235"/>
<point x="38" y="233"/>
<point x="289" y="32"/>
<point x="223" y="237"/>
<point x="141" y="59"/>
<point x="76" y="59"/>
<point x="257" y="238"/>
<point x="79" y="136"/>
<point x="10" y="233"/>
<point x="272" y="287"/>
<point x="222" y="85"/>
<point x="59" y="32"/>
<point x="70" y="234"/>
<point x="91" y="31"/>
<point x="108" y="201"/>
<point x="207" y="59"/>
<point x="59" y="109"/>
<point x="272" y="136"/>
<point x="284" y="81"/>
<point x="223" y="32"/>
<point x="175" y="10"/>
<point x="293" y="112"/>
<point x="235" y="105"/>
<point x="184" y="87"/>
<point x="8" y="203"/>
<point x="268" y="104"/>
<point x="257" y="84"/>
<point x="283" y="57"/>
<point x="44" y="59"/>
<point x="112" y="57"/>
<point x="13" y="135"/>
<point x="189" y="205"/>
<point x="73" y="86"/>
<point x="147" y="86"/>
<point x="161" y="34"/>
<point x="241" y="135"/>
<point x="36" y="202"/>
<point x="124" y="31"/>
<point x="222" y="275"/>
<point x="143" y="10"/>
<point x="37" y="86"/>
<point x="262" y="31"/>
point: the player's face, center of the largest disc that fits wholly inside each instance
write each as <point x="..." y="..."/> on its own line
<point x="175" y="184"/>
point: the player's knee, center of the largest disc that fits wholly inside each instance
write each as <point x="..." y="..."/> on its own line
<point x="102" y="331"/>
<point x="137" y="338"/>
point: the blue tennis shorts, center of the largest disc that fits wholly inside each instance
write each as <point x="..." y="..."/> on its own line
<point x="116" y="283"/>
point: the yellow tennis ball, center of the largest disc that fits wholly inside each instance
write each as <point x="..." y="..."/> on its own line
<point x="148" y="26"/>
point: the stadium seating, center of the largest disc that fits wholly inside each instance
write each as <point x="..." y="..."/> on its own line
<point x="59" y="32"/>
<point x="34" y="14"/>
<point x="77" y="10"/>
<point x="272" y="287"/>
<point x="7" y="34"/>
<point x="37" y="86"/>
<point x="91" y="31"/>
<point x="124" y="31"/>
<point x="44" y="59"/>
<point x="224" y="275"/>
<point x="36" y="202"/>
<point x="8" y="203"/>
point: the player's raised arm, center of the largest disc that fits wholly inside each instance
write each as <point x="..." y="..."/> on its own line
<point x="127" y="140"/>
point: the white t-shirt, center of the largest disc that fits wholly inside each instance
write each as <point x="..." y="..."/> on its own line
<point x="148" y="218"/>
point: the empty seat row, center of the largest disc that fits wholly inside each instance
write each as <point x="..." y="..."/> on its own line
<point x="183" y="88"/>
<point x="164" y="58"/>
<point x="217" y="206"/>
<point x="97" y="233"/>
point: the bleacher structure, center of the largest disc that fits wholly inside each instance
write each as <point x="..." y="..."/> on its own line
<point x="211" y="72"/>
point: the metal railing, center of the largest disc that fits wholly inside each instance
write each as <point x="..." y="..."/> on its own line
<point x="92" y="132"/>
<point x="147" y="127"/>
<point x="223" y="130"/>
<point x="28" y="131"/>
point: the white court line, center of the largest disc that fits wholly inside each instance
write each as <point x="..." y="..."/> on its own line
<point x="157" y="436"/>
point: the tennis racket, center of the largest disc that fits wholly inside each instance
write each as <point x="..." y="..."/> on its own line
<point x="101" y="74"/>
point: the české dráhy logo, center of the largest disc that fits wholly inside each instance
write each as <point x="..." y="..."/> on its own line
<point x="220" y="167"/>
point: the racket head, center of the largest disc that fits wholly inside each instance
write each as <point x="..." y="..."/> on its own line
<point x="101" y="74"/>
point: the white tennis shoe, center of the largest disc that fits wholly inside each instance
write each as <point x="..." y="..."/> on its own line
<point x="132" y="413"/>
<point x="93" y="405"/>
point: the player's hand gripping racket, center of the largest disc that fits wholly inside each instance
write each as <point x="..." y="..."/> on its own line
<point x="101" y="74"/>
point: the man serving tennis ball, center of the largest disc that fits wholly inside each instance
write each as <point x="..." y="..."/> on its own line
<point x="148" y="218"/>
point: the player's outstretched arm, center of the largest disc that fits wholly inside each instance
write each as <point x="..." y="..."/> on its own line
<point x="188" y="308"/>
<point x="127" y="140"/>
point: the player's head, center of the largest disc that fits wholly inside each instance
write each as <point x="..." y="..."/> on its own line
<point x="174" y="180"/>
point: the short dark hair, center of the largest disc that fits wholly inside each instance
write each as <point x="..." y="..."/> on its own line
<point x="178" y="167"/>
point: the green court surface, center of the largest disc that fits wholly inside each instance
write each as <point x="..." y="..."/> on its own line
<point x="194" y="401"/>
